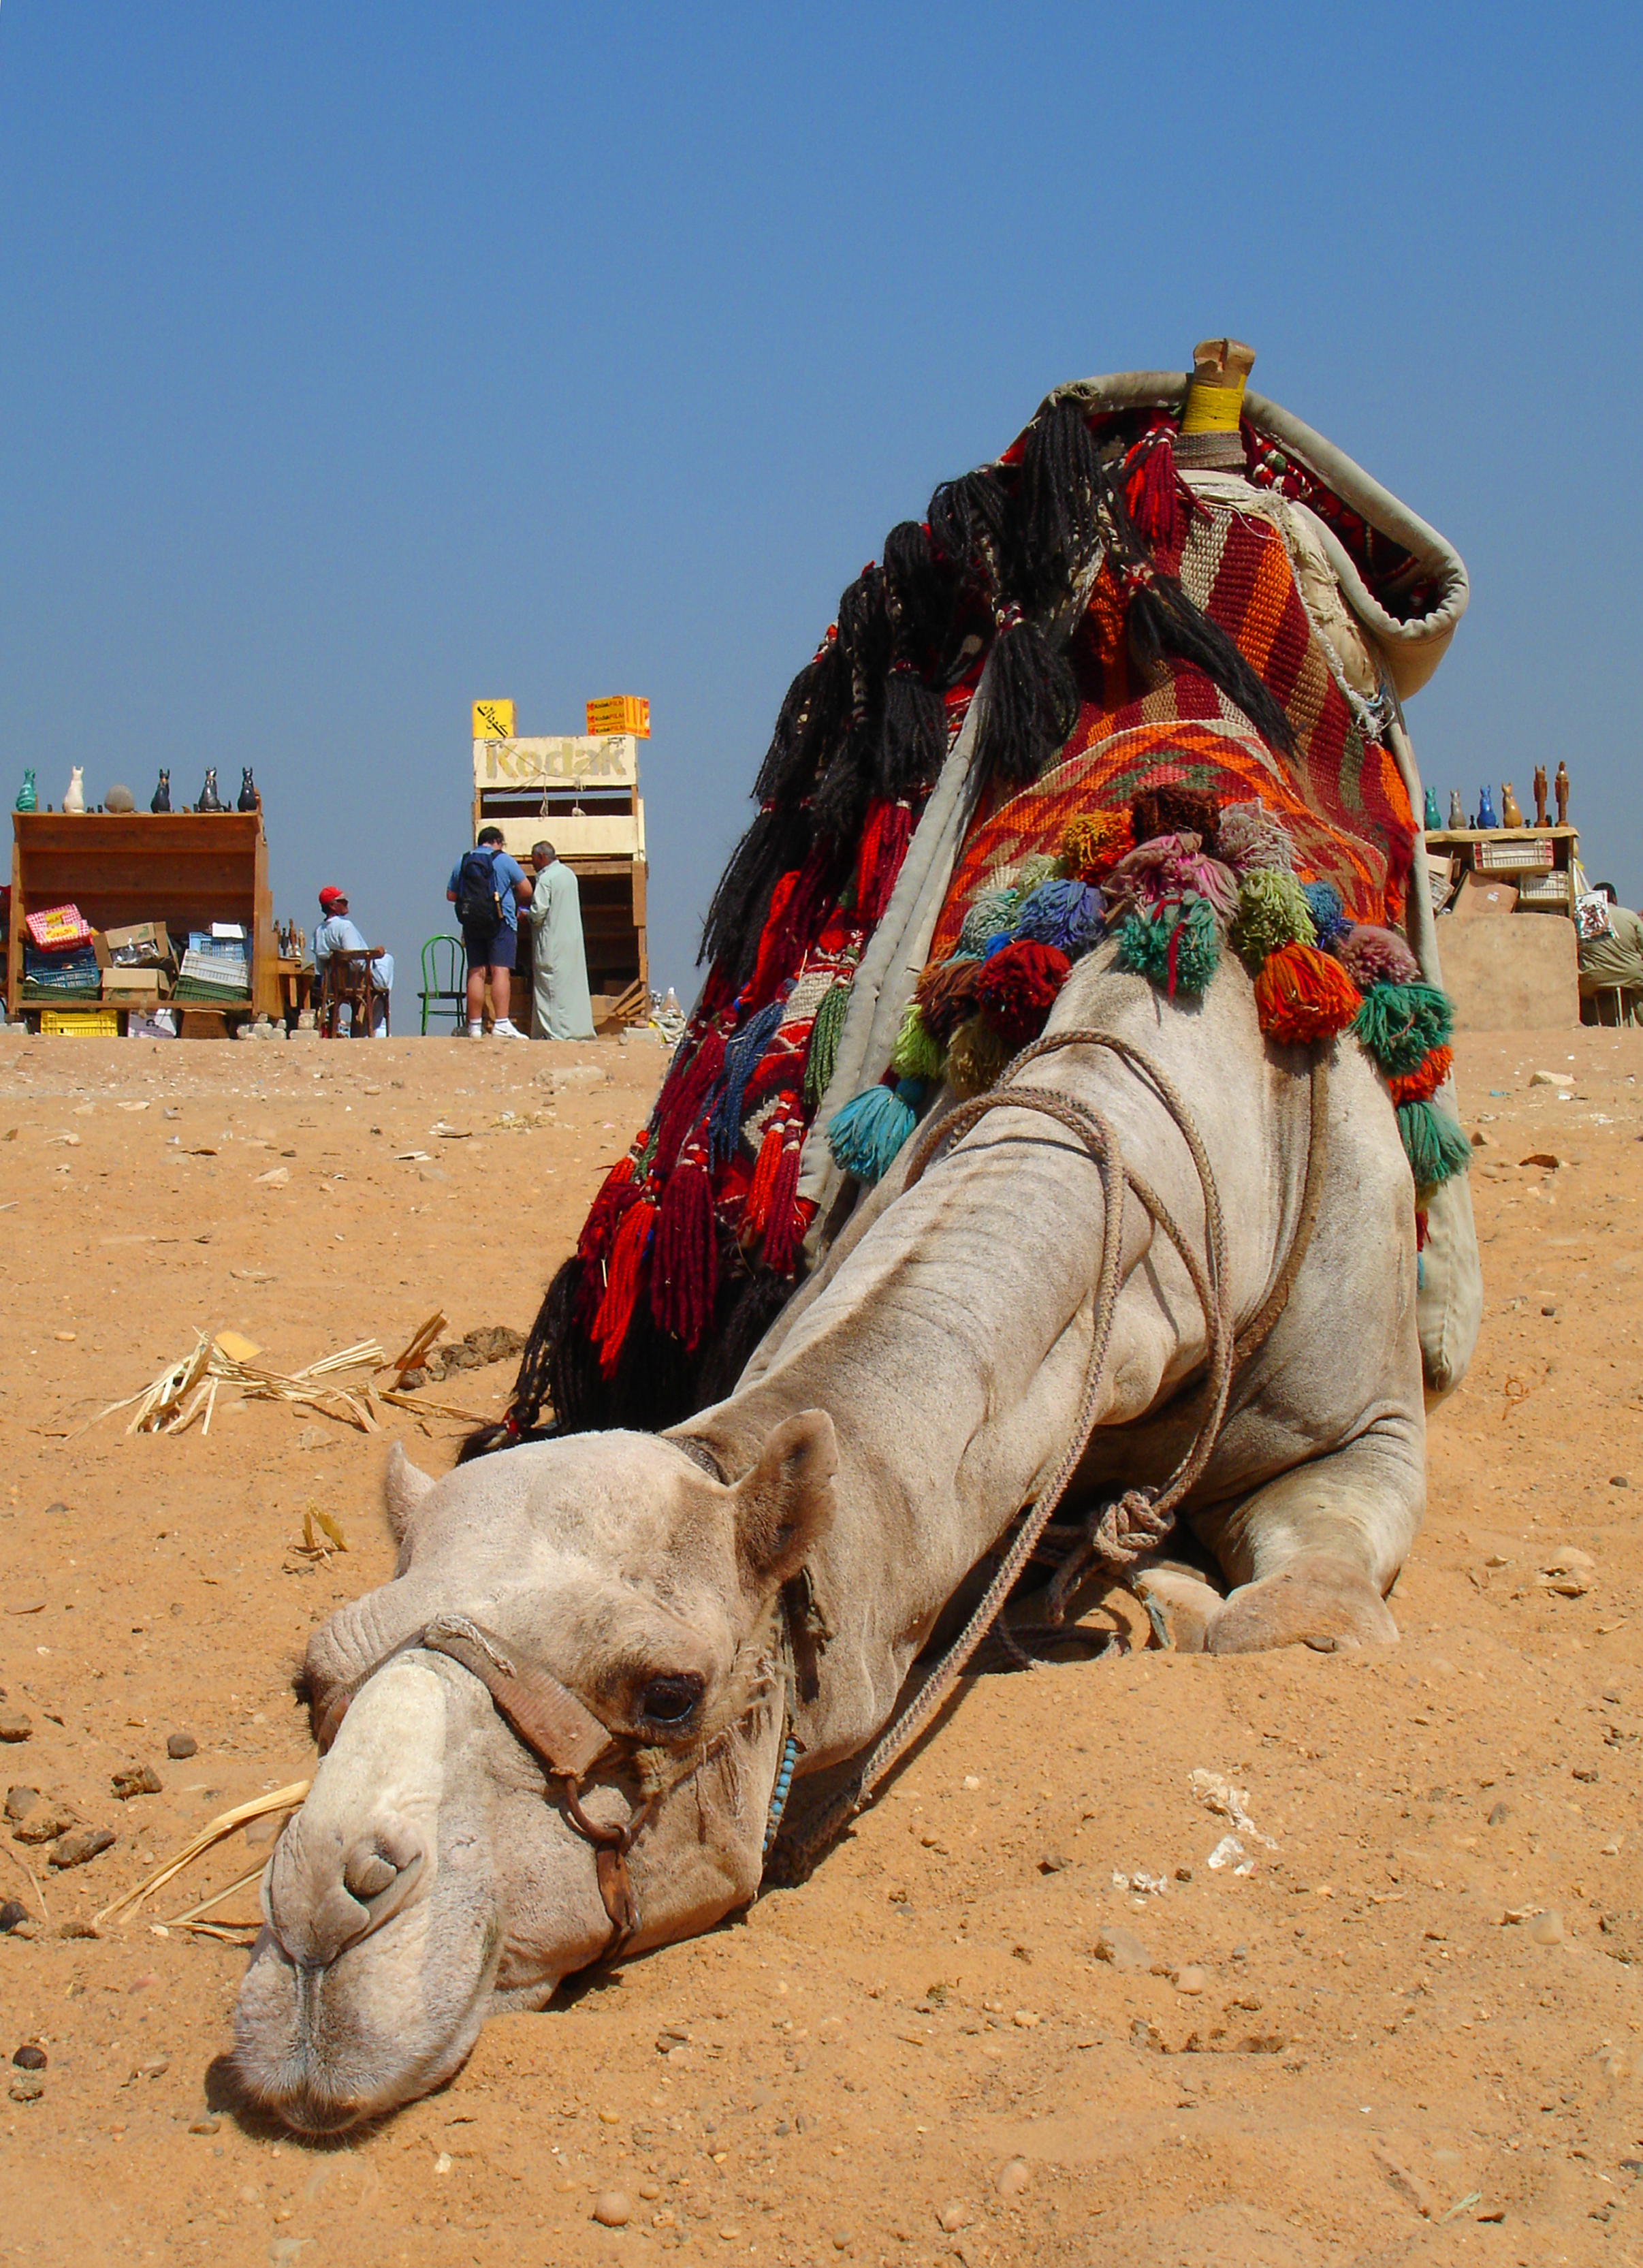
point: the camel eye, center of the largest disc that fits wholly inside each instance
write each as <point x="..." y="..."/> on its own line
<point x="670" y="1701"/>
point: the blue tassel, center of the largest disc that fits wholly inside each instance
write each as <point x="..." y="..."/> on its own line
<point x="1328" y="916"/>
<point x="741" y="1058"/>
<point x="866" y="1135"/>
<point x="1067" y="915"/>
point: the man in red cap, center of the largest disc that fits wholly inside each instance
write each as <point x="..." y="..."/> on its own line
<point x="336" y="933"/>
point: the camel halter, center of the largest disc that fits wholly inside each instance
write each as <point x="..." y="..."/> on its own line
<point x="568" y="1739"/>
<point x="1118" y="1534"/>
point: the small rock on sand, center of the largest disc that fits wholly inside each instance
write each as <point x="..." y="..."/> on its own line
<point x="1012" y="2178"/>
<point x="10" y="1914"/>
<point x="1124" y="1949"/>
<point x="14" y="1725"/>
<point x="181" y="1745"/>
<point x="136" y="1779"/>
<point x="1190" y="1980"/>
<point x="953" y="2215"/>
<point x="85" y="1843"/>
<point x="612" y="2209"/>
<point x="1547" y="1928"/>
<point x="29" y="2057"/>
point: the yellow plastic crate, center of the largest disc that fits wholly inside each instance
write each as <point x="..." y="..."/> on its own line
<point x="622" y="712"/>
<point x="81" y="1023"/>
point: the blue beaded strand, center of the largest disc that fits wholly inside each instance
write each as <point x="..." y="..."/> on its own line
<point x="778" y="1793"/>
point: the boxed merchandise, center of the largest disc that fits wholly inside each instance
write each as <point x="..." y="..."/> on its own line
<point x="140" y="944"/>
<point x="159" y="1024"/>
<point x="136" y="987"/>
<point x="56" y="928"/>
<point x="622" y="712"/>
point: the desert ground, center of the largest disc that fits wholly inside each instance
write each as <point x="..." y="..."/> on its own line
<point x="1409" y="2028"/>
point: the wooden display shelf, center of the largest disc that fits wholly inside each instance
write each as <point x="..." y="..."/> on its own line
<point x="187" y="869"/>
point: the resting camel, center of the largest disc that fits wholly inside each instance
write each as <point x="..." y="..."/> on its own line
<point x="1166" y="1268"/>
<point x="882" y="1442"/>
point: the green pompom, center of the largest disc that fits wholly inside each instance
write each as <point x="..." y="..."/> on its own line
<point x="1272" y="911"/>
<point x="1401" y="1024"/>
<point x="1180" y="953"/>
<point x="1435" y="1145"/>
<point x="917" y="1054"/>
<point x="992" y="911"/>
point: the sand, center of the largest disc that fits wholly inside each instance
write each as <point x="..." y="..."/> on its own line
<point x="1362" y="2050"/>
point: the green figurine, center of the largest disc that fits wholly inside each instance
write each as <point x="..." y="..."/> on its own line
<point x="1433" y="821"/>
<point x="27" y="799"/>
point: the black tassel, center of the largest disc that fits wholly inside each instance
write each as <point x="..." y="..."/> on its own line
<point x="558" y="1365"/>
<point x="1162" y="621"/>
<point x="913" y="734"/>
<point x="1061" y="509"/>
<point x="919" y="591"/>
<point x="652" y="1384"/>
<point x="967" y="518"/>
<point x="747" y="1308"/>
<point x="1030" y="702"/>
<point x="813" y="713"/>
<point x="777" y="842"/>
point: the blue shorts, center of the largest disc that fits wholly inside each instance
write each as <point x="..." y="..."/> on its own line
<point x="490" y="948"/>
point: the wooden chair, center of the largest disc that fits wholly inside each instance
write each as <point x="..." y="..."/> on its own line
<point x="348" y="984"/>
<point x="445" y="986"/>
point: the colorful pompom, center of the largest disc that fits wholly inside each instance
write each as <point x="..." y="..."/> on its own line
<point x="1302" y="995"/>
<point x="975" y="1057"/>
<point x="1017" y="987"/>
<point x="1093" y="845"/>
<point x="917" y="1054"/>
<point x="1066" y="915"/>
<point x="946" y="993"/>
<point x="1180" y="951"/>
<point x="866" y="1134"/>
<point x="1271" y="912"/>
<point x="1376" y="956"/>
<point x="1400" y="1024"/>
<point x="992" y="911"/>
<point x="1251" y="838"/>
<point x="1435" y="1145"/>
<point x="1421" y="1084"/>
<point x="1170" y="868"/>
<point x="825" y="1034"/>
<point x="1328" y="916"/>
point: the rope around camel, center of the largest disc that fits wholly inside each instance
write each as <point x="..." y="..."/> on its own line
<point x="1141" y="1519"/>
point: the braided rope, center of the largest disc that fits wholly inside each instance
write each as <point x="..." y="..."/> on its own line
<point x="1139" y="1511"/>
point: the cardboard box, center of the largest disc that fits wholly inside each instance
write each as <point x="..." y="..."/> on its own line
<point x="141" y="945"/>
<point x="622" y="712"/>
<point x="160" y="1025"/>
<point x="135" y="987"/>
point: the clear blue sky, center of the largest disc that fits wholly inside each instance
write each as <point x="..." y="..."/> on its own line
<point x="360" y="359"/>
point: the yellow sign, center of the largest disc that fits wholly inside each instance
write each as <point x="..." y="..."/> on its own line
<point x="493" y="720"/>
<point x="622" y="712"/>
<point x="604" y="761"/>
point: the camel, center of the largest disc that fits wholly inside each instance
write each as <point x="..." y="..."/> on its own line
<point x="564" y="1725"/>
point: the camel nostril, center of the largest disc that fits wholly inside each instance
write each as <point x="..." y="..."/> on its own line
<point x="367" y="1873"/>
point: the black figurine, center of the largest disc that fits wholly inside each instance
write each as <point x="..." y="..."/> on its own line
<point x="249" y="800"/>
<point x="162" y="794"/>
<point x="209" y="800"/>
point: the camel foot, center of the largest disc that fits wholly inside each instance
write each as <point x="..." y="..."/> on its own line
<point x="1324" y="1602"/>
<point x="1181" y="1606"/>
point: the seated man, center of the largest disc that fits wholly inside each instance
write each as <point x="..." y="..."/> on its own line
<point x="336" y="933"/>
<point x="1610" y="951"/>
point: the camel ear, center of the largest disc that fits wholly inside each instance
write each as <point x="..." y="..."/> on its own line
<point x="403" y="1488"/>
<point x="787" y="1501"/>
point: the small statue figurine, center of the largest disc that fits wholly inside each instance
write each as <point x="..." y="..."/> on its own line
<point x="1540" y="795"/>
<point x="209" y="800"/>
<point x="249" y="800"/>
<point x="161" y="799"/>
<point x="1511" y="810"/>
<point x="27" y="799"/>
<point x="1486" y="809"/>
<point x="1433" y="820"/>
<point x="74" y="794"/>
<point x="1560" y="789"/>
<point x="1457" y="817"/>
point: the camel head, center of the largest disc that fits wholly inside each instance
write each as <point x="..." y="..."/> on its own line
<point x="578" y="1648"/>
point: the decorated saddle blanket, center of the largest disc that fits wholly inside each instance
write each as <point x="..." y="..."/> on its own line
<point x="1138" y="685"/>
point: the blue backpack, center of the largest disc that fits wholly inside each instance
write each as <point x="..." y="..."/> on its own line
<point x="478" y="900"/>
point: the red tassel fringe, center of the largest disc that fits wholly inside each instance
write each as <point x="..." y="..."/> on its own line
<point x="683" y="1097"/>
<point x="756" y="1210"/>
<point x="885" y="839"/>
<point x="1301" y="995"/>
<point x="789" y="1217"/>
<point x="684" y="1259"/>
<point x="1153" y="494"/>
<point x="621" y="1285"/>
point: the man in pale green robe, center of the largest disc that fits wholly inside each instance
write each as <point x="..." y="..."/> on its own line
<point x="559" y="966"/>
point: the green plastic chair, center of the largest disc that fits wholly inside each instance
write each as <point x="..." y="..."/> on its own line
<point x="444" y="979"/>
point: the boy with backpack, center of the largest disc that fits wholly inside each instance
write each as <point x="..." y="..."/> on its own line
<point x="486" y="888"/>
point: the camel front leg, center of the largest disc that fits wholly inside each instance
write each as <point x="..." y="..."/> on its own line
<point x="1312" y="1554"/>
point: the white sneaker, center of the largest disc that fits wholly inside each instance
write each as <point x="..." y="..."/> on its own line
<point x="504" y="1030"/>
<point x="476" y="1031"/>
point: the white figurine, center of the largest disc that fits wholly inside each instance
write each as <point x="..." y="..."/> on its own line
<point x="74" y="794"/>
